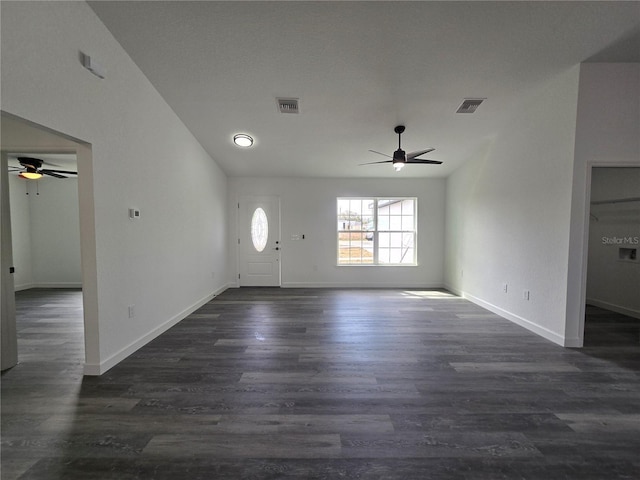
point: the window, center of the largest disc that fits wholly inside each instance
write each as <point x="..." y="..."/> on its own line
<point x="259" y="229"/>
<point x="377" y="231"/>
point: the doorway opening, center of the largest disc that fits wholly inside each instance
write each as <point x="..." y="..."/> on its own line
<point x="49" y="226"/>
<point x="612" y="312"/>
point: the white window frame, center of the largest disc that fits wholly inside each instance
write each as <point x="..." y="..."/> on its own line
<point x="376" y="232"/>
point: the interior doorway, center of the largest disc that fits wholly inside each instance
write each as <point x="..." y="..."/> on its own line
<point x="612" y="312"/>
<point x="21" y="137"/>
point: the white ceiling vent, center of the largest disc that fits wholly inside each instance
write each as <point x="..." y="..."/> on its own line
<point x="288" y="105"/>
<point x="470" y="105"/>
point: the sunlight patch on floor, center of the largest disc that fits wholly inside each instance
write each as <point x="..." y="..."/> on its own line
<point x="417" y="294"/>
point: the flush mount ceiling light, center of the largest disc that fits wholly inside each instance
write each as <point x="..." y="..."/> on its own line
<point x="242" y="140"/>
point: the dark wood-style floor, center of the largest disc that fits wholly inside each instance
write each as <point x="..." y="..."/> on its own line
<point x="320" y="384"/>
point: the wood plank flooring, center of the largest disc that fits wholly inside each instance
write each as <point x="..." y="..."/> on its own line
<point x="265" y="383"/>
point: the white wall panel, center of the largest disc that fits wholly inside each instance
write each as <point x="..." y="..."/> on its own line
<point x="309" y="208"/>
<point x="508" y="213"/>
<point x="174" y="257"/>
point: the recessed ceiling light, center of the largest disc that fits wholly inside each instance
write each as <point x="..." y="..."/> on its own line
<point x="242" y="140"/>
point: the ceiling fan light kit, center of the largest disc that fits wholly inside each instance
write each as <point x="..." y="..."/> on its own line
<point x="401" y="158"/>
<point x="30" y="174"/>
<point x="33" y="169"/>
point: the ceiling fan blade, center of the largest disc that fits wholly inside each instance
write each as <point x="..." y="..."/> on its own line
<point x="383" y="154"/>
<point x="413" y="155"/>
<point x="68" y="172"/>
<point x="30" y="162"/>
<point x="419" y="160"/>
<point x="381" y="161"/>
<point x="52" y="174"/>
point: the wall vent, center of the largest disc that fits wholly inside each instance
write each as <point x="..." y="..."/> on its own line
<point x="470" y="105"/>
<point x="288" y="105"/>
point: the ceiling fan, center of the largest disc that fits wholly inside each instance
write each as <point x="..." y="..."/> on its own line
<point x="400" y="158"/>
<point x="31" y="169"/>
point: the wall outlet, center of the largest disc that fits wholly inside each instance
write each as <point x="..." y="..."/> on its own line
<point x="132" y="311"/>
<point x="525" y="294"/>
<point x="505" y="287"/>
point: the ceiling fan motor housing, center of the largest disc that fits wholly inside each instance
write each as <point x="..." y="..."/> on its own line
<point x="29" y="162"/>
<point x="399" y="156"/>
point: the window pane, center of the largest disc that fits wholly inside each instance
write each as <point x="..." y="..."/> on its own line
<point x="395" y="254"/>
<point x="353" y="248"/>
<point x="395" y="222"/>
<point x="408" y="239"/>
<point x="383" y="204"/>
<point x="355" y="206"/>
<point x="383" y="239"/>
<point x="259" y="229"/>
<point x="407" y="206"/>
<point x="368" y="223"/>
<point x="408" y="256"/>
<point x="368" y="206"/>
<point x="383" y="223"/>
<point x="383" y="255"/>
<point x="407" y="223"/>
<point x="344" y="248"/>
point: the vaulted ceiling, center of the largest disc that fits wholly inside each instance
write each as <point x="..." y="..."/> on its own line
<point x="358" y="69"/>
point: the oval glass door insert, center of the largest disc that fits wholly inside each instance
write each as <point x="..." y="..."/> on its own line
<point x="259" y="229"/>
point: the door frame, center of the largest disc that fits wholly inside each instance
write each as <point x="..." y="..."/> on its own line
<point x="576" y="307"/>
<point x="83" y="151"/>
<point x="246" y="197"/>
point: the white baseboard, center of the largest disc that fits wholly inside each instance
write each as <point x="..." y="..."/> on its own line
<point x="357" y="285"/>
<point x="94" y="369"/>
<point x="629" y="312"/>
<point x="27" y="286"/>
<point x="573" y="342"/>
<point x="453" y="289"/>
<point x="58" y="285"/>
<point x="523" y="322"/>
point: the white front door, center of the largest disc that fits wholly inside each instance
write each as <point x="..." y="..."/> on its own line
<point x="259" y="241"/>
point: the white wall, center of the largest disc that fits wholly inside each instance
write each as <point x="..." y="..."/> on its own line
<point x="612" y="282"/>
<point x="607" y="134"/>
<point x="173" y="258"/>
<point x="46" y="233"/>
<point x="508" y="212"/>
<point x="308" y="206"/>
